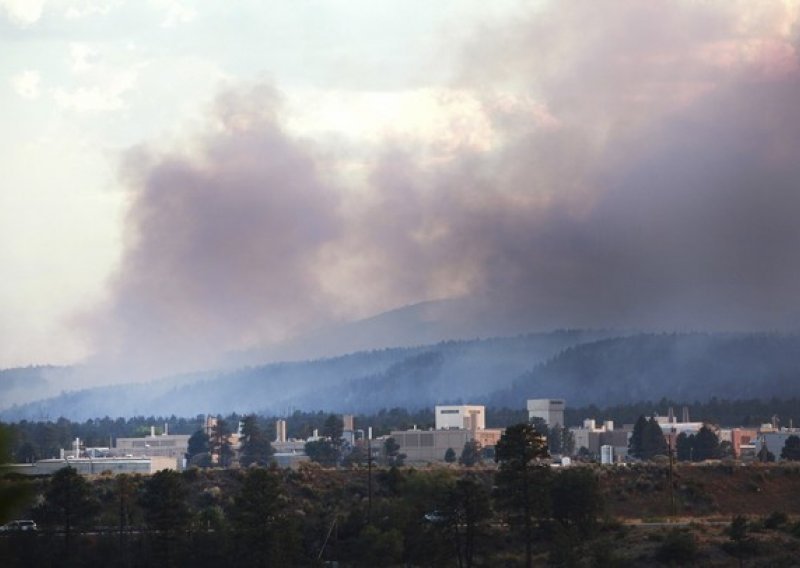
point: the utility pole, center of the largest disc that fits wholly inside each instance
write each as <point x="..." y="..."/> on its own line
<point x="671" y="484"/>
<point x="369" y="480"/>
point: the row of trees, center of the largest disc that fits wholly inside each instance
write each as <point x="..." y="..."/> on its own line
<point x="32" y="440"/>
<point x="269" y="517"/>
<point x="647" y="441"/>
<point x="206" y="450"/>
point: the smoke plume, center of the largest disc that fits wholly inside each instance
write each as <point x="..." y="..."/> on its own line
<point x="643" y="172"/>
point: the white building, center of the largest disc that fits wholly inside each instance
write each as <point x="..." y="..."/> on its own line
<point x="96" y="466"/>
<point x="166" y="445"/>
<point x="551" y="410"/>
<point x="460" y="417"/>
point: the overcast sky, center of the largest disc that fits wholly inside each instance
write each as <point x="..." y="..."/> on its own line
<point x="182" y="178"/>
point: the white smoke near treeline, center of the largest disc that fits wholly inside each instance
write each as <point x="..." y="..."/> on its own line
<point x="641" y="169"/>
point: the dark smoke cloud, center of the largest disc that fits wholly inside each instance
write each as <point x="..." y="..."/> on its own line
<point x="654" y="184"/>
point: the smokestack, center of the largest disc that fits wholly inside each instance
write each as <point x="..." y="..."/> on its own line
<point x="685" y="417"/>
<point x="166" y="428"/>
<point x="280" y="430"/>
<point x="152" y="431"/>
<point x="369" y="433"/>
<point x="671" y="416"/>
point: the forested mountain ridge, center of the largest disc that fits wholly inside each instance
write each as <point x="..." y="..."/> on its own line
<point x="583" y="367"/>
<point x="360" y="381"/>
<point x="689" y="366"/>
<point x="22" y="384"/>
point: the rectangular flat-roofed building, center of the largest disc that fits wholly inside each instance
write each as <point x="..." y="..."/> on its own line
<point x="551" y="410"/>
<point x="467" y="417"/>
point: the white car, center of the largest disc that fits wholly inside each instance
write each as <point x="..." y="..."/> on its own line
<point x="14" y="526"/>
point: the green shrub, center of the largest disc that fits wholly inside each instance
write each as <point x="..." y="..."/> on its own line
<point x="776" y="520"/>
<point x="678" y="546"/>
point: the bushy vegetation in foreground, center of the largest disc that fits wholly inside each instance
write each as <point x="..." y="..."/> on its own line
<point x="445" y="516"/>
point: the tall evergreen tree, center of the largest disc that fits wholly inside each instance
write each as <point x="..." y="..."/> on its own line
<point x="469" y="506"/>
<point x="69" y="502"/>
<point x="166" y="513"/>
<point x="522" y="480"/>
<point x="791" y="449"/>
<point x="764" y="455"/>
<point x="333" y="430"/>
<point x="684" y="446"/>
<point x="653" y="441"/>
<point x="255" y="446"/>
<point x="391" y="452"/>
<point x="220" y="443"/>
<point x="636" y="443"/>
<point x="264" y="533"/>
<point x="197" y="452"/>
<point x="576" y="499"/>
<point x="328" y="450"/>
<point x="471" y="454"/>
<point x="706" y="444"/>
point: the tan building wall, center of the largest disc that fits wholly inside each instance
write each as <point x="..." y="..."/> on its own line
<point x="457" y="417"/>
<point x="96" y="466"/>
<point x="422" y="446"/>
<point x="170" y="445"/>
<point x="429" y="445"/>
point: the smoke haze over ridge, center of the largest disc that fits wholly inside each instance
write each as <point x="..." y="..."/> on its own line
<point x="612" y="164"/>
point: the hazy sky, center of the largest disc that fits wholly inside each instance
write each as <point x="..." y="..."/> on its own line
<point x="181" y="178"/>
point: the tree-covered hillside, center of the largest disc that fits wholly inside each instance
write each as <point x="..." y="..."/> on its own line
<point x="694" y="366"/>
<point x="414" y="377"/>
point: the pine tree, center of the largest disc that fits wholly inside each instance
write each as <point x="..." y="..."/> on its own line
<point x="636" y="444"/>
<point x="684" y="446"/>
<point x="197" y="451"/>
<point x="791" y="449"/>
<point x="522" y="481"/>
<point x="265" y="534"/>
<point x="220" y="443"/>
<point x="471" y="454"/>
<point x="706" y="444"/>
<point x="256" y="447"/>
<point x="69" y="502"/>
<point x="653" y="441"/>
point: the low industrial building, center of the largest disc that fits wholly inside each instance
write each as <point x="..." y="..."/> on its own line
<point x="164" y="445"/>
<point x="96" y="466"/>
<point x="593" y="438"/>
<point x="455" y="426"/>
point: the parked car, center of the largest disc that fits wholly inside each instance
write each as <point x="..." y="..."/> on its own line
<point x="437" y="517"/>
<point x="14" y="526"/>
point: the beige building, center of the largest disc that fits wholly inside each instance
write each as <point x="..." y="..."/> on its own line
<point x="429" y="445"/>
<point x="455" y="426"/>
<point x="165" y="445"/>
<point x="468" y="417"/>
<point x="96" y="466"/>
